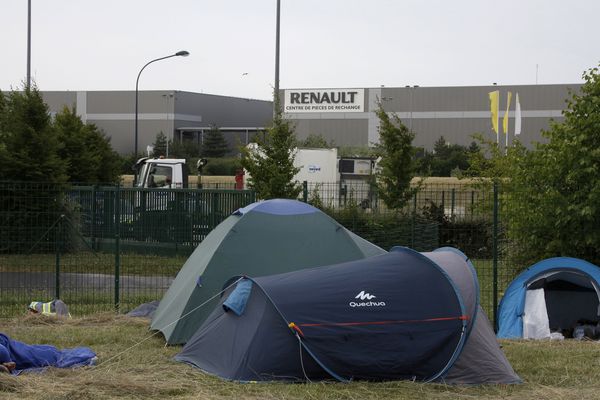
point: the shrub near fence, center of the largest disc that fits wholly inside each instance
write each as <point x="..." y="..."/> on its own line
<point x="439" y="215"/>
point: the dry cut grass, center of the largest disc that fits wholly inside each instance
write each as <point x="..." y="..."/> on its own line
<point x="136" y="365"/>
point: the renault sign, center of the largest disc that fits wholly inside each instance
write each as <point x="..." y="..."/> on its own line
<point x="324" y="101"/>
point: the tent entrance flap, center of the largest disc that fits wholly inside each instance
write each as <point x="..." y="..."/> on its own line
<point x="570" y="298"/>
<point x="535" y="316"/>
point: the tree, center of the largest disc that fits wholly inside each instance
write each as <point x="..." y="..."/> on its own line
<point x="215" y="144"/>
<point x="566" y="221"/>
<point x="29" y="153"/>
<point x="446" y="158"/>
<point x="397" y="164"/>
<point x="160" y="145"/>
<point x="271" y="164"/>
<point x="315" y="141"/>
<point x="30" y="146"/>
<point x="187" y="149"/>
<point x="89" y="155"/>
<point x="550" y="200"/>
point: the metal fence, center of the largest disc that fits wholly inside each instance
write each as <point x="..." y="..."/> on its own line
<point x="105" y="247"/>
<point x="100" y="247"/>
<point x="460" y="215"/>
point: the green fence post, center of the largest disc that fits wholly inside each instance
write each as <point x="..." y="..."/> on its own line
<point x="495" y="257"/>
<point x="117" y="225"/>
<point x="57" y="257"/>
<point x="215" y="210"/>
<point x="413" y="222"/>
<point x="93" y="222"/>
<point x="452" y="202"/>
<point x="305" y="191"/>
<point x="443" y="202"/>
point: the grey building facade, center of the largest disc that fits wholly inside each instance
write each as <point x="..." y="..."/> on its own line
<point x="179" y="115"/>
<point x="347" y="116"/>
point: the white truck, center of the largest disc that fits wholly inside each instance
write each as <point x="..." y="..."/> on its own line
<point x="161" y="172"/>
<point x="161" y="213"/>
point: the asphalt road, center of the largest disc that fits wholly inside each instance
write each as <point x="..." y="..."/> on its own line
<point x="81" y="282"/>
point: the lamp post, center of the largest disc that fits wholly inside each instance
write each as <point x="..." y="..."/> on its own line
<point x="29" y="45"/>
<point x="276" y="99"/>
<point x="181" y="53"/>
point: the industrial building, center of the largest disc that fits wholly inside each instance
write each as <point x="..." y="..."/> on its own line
<point x="179" y="115"/>
<point x="345" y="117"/>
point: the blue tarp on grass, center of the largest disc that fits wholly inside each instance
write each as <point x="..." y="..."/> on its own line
<point x="28" y="357"/>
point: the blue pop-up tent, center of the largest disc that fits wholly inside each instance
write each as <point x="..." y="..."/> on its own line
<point x="400" y="315"/>
<point x="553" y="295"/>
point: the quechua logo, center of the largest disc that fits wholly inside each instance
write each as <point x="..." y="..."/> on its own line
<point x="362" y="296"/>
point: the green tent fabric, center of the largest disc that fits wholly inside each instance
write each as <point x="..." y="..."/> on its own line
<point x="264" y="238"/>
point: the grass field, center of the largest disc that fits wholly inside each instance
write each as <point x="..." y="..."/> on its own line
<point x="135" y="365"/>
<point x="94" y="263"/>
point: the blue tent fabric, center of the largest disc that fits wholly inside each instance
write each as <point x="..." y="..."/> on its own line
<point x="31" y="357"/>
<point x="399" y="315"/>
<point x="350" y="315"/>
<point x="511" y="308"/>
<point x="236" y="302"/>
<point x="278" y="207"/>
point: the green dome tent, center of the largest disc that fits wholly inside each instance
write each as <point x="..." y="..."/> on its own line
<point x="264" y="238"/>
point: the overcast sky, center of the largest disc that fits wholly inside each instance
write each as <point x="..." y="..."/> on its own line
<point x="102" y="45"/>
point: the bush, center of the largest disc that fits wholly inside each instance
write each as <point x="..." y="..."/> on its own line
<point x="473" y="237"/>
<point x="390" y="229"/>
<point x="222" y="166"/>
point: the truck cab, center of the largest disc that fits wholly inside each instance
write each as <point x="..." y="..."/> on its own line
<point x="161" y="173"/>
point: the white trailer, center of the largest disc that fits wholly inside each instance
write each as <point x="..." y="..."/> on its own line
<point x="316" y="165"/>
<point x="334" y="180"/>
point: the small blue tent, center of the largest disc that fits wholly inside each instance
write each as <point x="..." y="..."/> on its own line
<point x="553" y="295"/>
<point x="399" y="315"/>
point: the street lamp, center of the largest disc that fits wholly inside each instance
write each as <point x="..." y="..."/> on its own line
<point x="29" y="45"/>
<point x="276" y="104"/>
<point x="181" y="53"/>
